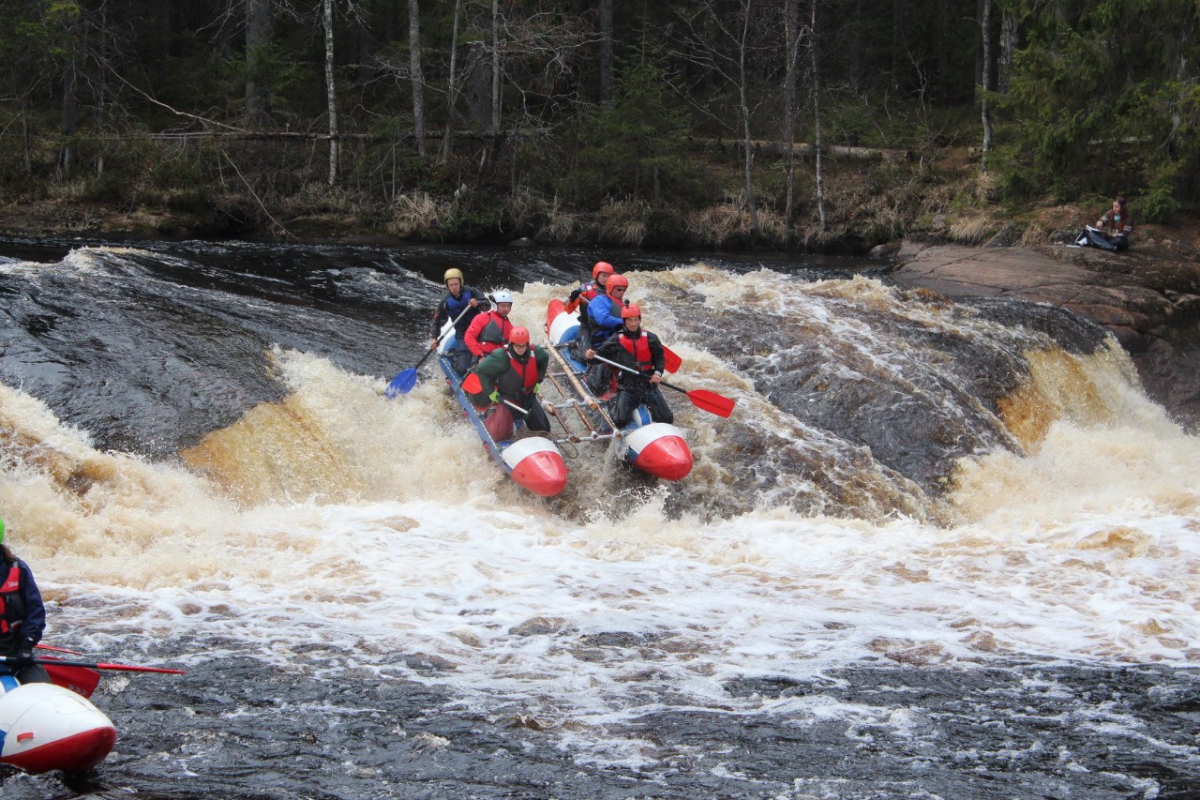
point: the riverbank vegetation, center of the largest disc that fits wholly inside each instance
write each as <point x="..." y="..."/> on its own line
<point x="692" y="123"/>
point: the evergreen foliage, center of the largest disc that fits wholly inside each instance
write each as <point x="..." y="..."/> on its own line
<point x="1089" y="98"/>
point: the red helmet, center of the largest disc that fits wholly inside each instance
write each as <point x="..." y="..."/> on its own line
<point x="631" y="310"/>
<point x="518" y="335"/>
<point x="614" y="281"/>
<point x="602" y="266"/>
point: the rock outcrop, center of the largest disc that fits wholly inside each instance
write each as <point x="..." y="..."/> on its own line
<point x="1149" y="297"/>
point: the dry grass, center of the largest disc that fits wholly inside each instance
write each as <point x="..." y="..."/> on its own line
<point x="730" y="221"/>
<point x="971" y="230"/>
<point x="623" y="222"/>
<point x="417" y="215"/>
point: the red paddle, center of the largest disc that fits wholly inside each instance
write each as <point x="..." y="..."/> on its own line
<point x="702" y="399"/>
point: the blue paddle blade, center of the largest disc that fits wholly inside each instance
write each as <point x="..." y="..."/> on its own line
<point x="401" y="384"/>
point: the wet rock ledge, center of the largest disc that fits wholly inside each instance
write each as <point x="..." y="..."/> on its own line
<point x="1149" y="297"/>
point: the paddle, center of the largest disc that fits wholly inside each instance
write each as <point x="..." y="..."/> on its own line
<point x="673" y="361"/>
<point x="702" y="399"/>
<point x="472" y="384"/>
<point x="404" y="381"/>
<point x="49" y="662"/>
<point x="57" y="649"/>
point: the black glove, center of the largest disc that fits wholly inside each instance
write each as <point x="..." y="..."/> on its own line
<point x="20" y="659"/>
<point x="575" y="295"/>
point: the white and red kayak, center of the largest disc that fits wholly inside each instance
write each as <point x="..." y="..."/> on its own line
<point x="46" y="727"/>
<point x="657" y="448"/>
<point x="534" y="462"/>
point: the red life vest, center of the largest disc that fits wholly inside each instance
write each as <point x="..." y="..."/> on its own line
<point x="527" y="372"/>
<point x="495" y="332"/>
<point x="639" y="348"/>
<point x="12" y="608"/>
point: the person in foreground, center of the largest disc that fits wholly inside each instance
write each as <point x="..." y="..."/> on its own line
<point x="22" y="618"/>
<point x="462" y="304"/>
<point x="639" y="350"/>
<point x="512" y="374"/>
<point x="1112" y="231"/>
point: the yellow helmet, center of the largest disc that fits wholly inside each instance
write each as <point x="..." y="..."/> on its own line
<point x="453" y="272"/>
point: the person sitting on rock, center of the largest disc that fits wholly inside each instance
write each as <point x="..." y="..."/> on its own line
<point x="1112" y="231"/>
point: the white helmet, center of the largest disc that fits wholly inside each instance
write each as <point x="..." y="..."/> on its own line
<point x="502" y="297"/>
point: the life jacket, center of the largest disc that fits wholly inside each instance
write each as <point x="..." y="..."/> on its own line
<point x="457" y="305"/>
<point x="12" y="607"/>
<point x="639" y="348"/>
<point x="590" y="290"/>
<point x="601" y="331"/>
<point x="526" y="372"/>
<point x="495" y="332"/>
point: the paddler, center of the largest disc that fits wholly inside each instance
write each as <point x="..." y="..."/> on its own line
<point x="462" y="304"/>
<point x="588" y="290"/>
<point x="639" y="350"/>
<point x="584" y="295"/>
<point x="604" y="320"/>
<point x="490" y="330"/>
<point x="512" y="376"/>
<point x="22" y="618"/>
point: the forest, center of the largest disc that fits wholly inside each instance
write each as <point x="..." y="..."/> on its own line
<point x="812" y="124"/>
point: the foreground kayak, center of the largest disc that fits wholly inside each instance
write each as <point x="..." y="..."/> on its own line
<point x="45" y="727"/>
<point x="533" y="462"/>
<point x="657" y="448"/>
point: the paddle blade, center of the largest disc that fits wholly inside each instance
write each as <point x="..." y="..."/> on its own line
<point x="472" y="384"/>
<point x="80" y="680"/>
<point x="401" y="384"/>
<point x="673" y="361"/>
<point x="711" y="402"/>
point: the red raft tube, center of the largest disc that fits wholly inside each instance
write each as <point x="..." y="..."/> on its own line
<point x="656" y="448"/>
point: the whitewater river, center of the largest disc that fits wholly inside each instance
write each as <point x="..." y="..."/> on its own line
<point x="939" y="550"/>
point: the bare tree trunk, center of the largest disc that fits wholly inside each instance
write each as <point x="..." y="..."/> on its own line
<point x="26" y="136"/>
<point x="943" y="48"/>
<point x="451" y="88"/>
<point x="70" y="117"/>
<point x="331" y="93"/>
<point x="1008" y="48"/>
<point x="744" y="110"/>
<point x="606" y="51"/>
<point x="258" y="41"/>
<point x="985" y="18"/>
<point x="102" y="87"/>
<point x="899" y="11"/>
<point x="791" y="25"/>
<point x="495" y="67"/>
<point x="417" y="77"/>
<point x="817" y="143"/>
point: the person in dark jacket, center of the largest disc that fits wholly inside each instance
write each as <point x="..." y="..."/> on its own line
<point x="583" y="296"/>
<point x="641" y="351"/>
<point x="22" y="618"/>
<point x="512" y="374"/>
<point x="461" y="305"/>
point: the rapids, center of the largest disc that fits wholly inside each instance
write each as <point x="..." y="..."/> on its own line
<point x="939" y="550"/>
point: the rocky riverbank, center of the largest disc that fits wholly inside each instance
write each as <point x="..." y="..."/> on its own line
<point x="1149" y="297"/>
